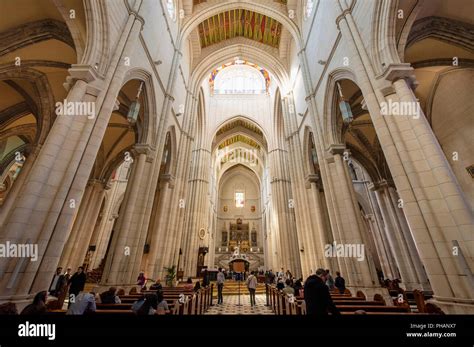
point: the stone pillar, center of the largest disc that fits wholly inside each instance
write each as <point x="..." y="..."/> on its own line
<point x="378" y="227"/>
<point x="197" y="210"/>
<point x="321" y="240"/>
<point x="110" y="215"/>
<point x="436" y="211"/>
<point x="285" y="226"/>
<point x="76" y="246"/>
<point x="364" y="274"/>
<point x="36" y="202"/>
<point x="84" y="240"/>
<point x="414" y="255"/>
<point x="382" y="251"/>
<point x="124" y="243"/>
<point x="395" y="237"/>
<point x="50" y="197"/>
<point x="32" y="152"/>
<point x="159" y="232"/>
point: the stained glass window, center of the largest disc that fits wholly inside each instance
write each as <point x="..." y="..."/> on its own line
<point x="239" y="199"/>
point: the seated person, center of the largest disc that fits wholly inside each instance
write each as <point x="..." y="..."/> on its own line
<point x="109" y="297"/>
<point x="38" y="306"/>
<point x="197" y="286"/>
<point x="149" y="306"/>
<point x="189" y="284"/>
<point x="83" y="303"/>
<point x="157" y="285"/>
<point x="280" y="284"/>
<point x="162" y="307"/>
<point x="297" y="286"/>
<point x="288" y="290"/>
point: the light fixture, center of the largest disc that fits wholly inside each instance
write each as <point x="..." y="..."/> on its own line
<point x="344" y="107"/>
<point x="134" y="109"/>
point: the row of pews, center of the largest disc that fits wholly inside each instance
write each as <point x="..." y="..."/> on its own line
<point x="347" y="304"/>
<point x="181" y="301"/>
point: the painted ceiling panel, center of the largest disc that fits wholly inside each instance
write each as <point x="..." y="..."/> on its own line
<point x="240" y="23"/>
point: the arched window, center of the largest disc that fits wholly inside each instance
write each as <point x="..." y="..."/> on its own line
<point x="313" y="155"/>
<point x="239" y="199"/>
<point x="166" y="157"/>
<point x="240" y="79"/>
<point x="170" y="6"/>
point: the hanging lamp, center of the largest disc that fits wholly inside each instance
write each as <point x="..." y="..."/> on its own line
<point x="134" y="109"/>
<point x="345" y="107"/>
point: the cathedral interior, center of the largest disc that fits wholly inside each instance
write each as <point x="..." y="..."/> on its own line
<point x="142" y="135"/>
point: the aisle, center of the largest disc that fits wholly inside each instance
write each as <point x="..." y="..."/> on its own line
<point x="230" y="306"/>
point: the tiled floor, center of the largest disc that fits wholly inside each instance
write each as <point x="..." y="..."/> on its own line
<point x="231" y="301"/>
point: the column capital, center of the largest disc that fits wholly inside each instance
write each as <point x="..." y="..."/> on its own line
<point x="94" y="181"/>
<point x="394" y="72"/>
<point x="168" y="178"/>
<point x="375" y="186"/>
<point x="107" y="185"/>
<point x="83" y="72"/>
<point x="337" y="148"/>
<point x="143" y="148"/>
<point x="313" y="178"/>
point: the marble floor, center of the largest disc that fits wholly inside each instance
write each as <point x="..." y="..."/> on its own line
<point x="230" y="306"/>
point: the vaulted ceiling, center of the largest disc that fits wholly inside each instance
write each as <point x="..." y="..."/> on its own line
<point x="236" y="123"/>
<point x="240" y="23"/>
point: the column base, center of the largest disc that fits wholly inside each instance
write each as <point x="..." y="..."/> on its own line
<point x="453" y="305"/>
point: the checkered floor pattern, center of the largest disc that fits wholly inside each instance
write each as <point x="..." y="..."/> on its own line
<point x="231" y="301"/>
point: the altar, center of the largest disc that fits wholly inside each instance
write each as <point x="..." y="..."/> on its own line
<point x="238" y="262"/>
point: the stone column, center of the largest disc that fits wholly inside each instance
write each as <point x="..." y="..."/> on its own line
<point x="284" y="223"/>
<point x="414" y="255"/>
<point x="110" y="215"/>
<point x="434" y="206"/>
<point x="32" y="152"/>
<point x="197" y="209"/>
<point x="154" y="267"/>
<point x="380" y="247"/>
<point x="124" y="239"/>
<point x="76" y="246"/>
<point x="49" y="200"/>
<point x="363" y="272"/>
<point x="439" y="213"/>
<point x="395" y="237"/>
<point x="86" y="233"/>
<point x="377" y="224"/>
<point x="321" y="239"/>
<point x="36" y="201"/>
